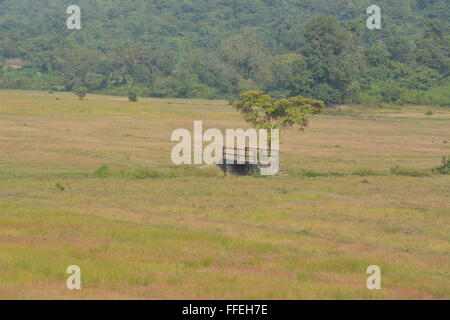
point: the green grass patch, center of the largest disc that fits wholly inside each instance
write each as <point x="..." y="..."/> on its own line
<point x="103" y="172"/>
<point x="410" y="172"/>
<point x="147" y="173"/>
<point x="444" y="168"/>
<point x="367" y="172"/>
<point x="307" y="173"/>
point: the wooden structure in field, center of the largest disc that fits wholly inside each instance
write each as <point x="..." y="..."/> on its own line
<point x="245" y="161"/>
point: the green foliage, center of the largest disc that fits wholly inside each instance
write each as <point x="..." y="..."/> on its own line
<point x="411" y="172"/>
<point x="81" y="92"/>
<point x="218" y="49"/>
<point x="366" y="172"/>
<point x="103" y="172"/>
<point x="257" y="174"/>
<point x="400" y="49"/>
<point x="60" y="186"/>
<point x="263" y="111"/>
<point x="380" y="93"/>
<point x="377" y="55"/>
<point x="132" y="96"/>
<point x="445" y="167"/>
<point x="327" y="67"/>
<point x="390" y="92"/>
<point x="147" y="173"/>
<point x="307" y="173"/>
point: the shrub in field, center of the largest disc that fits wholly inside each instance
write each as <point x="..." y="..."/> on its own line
<point x="411" y="172"/>
<point x="60" y="186"/>
<point x="81" y="92"/>
<point x="364" y="172"/>
<point x="132" y="96"/>
<point x="445" y="168"/>
<point x="256" y="173"/>
<point x="313" y="174"/>
<point x="102" y="172"/>
<point x="147" y="173"/>
<point x="264" y="112"/>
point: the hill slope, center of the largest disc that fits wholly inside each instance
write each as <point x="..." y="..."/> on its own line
<point x="216" y="48"/>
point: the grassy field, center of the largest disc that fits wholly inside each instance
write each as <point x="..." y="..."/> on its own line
<point x="146" y="229"/>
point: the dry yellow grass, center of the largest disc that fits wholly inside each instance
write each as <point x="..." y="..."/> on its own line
<point x="192" y="233"/>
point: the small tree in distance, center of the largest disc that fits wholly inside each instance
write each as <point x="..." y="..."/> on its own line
<point x="265" y="112"/>
<point x="132" y="96"/>
<point x="81" y="92"/>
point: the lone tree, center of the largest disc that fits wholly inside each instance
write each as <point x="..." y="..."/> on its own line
<point x="265" y="112"/>
<point x="81" y="92"/>
<point x="132" y="96"/>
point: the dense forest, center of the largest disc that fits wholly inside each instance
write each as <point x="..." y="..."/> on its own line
<point x="320" y="49"/>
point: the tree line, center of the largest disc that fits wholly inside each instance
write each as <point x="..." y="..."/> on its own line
<point x="220" y="48"/>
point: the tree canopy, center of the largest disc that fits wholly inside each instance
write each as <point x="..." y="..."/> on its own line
<point x="265" y="112"/>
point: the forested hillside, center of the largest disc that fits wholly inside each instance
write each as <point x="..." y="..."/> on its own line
<point x="219" y="48"/>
